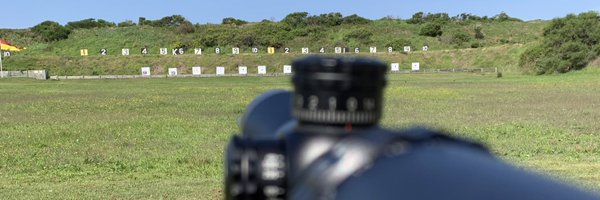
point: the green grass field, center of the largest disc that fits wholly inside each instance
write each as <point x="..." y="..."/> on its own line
<point x="164" y="138"/>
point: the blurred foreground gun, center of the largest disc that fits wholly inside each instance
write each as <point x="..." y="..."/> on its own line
<point x="323" y="142"/>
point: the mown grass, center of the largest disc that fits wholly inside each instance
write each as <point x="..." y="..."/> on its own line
<point x="164" y="138"/>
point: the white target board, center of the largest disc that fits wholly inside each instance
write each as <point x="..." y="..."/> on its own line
<point x="125" y="52"/>
<point x="305" y="50"/>
<point x="235" y="50"/>
<point x="196" y="71"/>
<point x="425" y="48"/>
<point x="172" y="71"/>
<point x="164" y="51"/>
<point x="322" y="50"/>
<point x="373" y="49"/>
<point x="407" y="49"/>
<point x="395" y="67"/>
<point x="7" y="54"/>
<point x="146" y="71"/>
<point x="218" y="50"/>
<point x="262" y="69"/>
<point x="286" y="50"/>
<point x="356" y="50"/>
<point x="103" y="52"/>
<point x="144" y="51"/>
<point x="254" y="50"/>
<point x="178" y="51"/>
<point x="390" y="49"/>
<point x="416" y="66"/>
<point x="338" y="50"/>
<point x="220" y="71"/>
<point x="287" y="69"/>
<point x="243" y="70"/>
<point x="198" y="51"/>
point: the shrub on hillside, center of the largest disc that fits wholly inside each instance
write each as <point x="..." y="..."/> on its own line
<point x="89" y="23"/>
<point x="233" y="21"/>
<point x="185" y="28"/>
<point x="51" y="31"/>
<point x="459" y="38"/>
<point x="398" y="43"/>
<point x="568" y="43"/>
<point x="431" y="29"/>
<point x="479" y="33"/>
<point x="126" y="23"/>
<point x="361" y="35"/>
<point x="355" y="20"/>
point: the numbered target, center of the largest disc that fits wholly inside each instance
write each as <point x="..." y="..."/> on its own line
<point x="305" y="50"/>
<point x="395" y="67"/>
<point x="144" y="51"/>
<point x="218" y="50"/>
<point x="198" y="51"/>
<point x="220" y="70"/>
<point x="357" y="50"/>
<point x="254" y="50"/>
<point x="407" y="49"/>
<point x="322" y="50"/>
<point x="172" y="71"/>
<point x="243" y="70"/>
<point x="7" y="54"/>
<point x="164" y="51"/>
<point x="373" y="49"/>
<point x="271" y="50"/>
<point x="177" y="51"/>
<point x="103" y="52"/>
<point x="390" y="49"/>
<point x="286" y="50"/>
<point x="338" y="50"/>
<point x="425" y="48"/>
<point x="235" y="50"/>
<point x="287" y="69"/>
<point x="145" y="71"/>
<point x="83" y="52"/>
<point x="196" y="71"/>
<point x="416" y="66"/>
<point x="262" y="69"/>
<point x="125" y="52"/>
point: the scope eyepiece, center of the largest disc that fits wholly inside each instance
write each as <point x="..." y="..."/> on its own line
<point x="338" y="91"/>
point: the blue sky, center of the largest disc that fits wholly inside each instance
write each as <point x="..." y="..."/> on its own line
<point x="27" y="13"/>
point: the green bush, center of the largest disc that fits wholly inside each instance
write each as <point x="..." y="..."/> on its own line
<point x="355" y="20"/>
<point x="89" y="23"/>
<point x="431" y="29"/>
<point x="568" y="44"/>
<point x="459" y="38"/>
<point x="233" y="21"/>
<point x="51" y="31"/>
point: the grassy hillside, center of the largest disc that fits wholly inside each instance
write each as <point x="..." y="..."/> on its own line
<point x="499" y="48"/>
